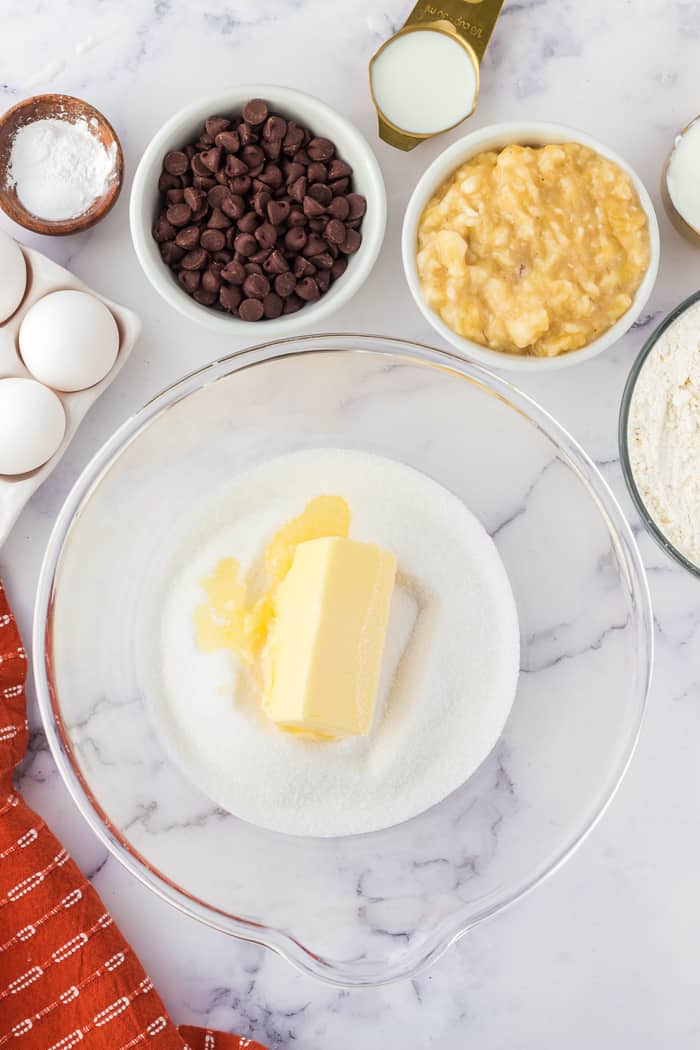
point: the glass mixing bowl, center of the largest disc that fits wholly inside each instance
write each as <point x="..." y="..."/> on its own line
<point x="371" y="908"/>
<point x="625" y="405"/>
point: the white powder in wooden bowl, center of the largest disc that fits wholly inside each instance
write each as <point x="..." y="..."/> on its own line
<point x="663" y="434"/>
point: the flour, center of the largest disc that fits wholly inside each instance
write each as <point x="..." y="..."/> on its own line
<point x="448" y="677"/>
<point x="59" y="168"/>
<point x="663" y="434"/>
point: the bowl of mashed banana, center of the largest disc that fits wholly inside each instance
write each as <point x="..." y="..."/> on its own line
<point x="530" y="246"/>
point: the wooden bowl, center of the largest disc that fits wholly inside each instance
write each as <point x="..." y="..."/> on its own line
<point x="64" y="107"/>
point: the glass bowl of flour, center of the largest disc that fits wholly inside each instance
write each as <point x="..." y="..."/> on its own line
<point x="515" y="674"/>
<point x="659" y="434"/>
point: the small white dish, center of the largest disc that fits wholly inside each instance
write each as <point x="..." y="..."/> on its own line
<point x="323" y="121"/>
<point x="497" y="136"/>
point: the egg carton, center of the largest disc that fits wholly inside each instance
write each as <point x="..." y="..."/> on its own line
<point x="44" y="276"/>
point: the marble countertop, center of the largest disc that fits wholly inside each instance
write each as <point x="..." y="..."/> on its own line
<point x="607" y="951"/>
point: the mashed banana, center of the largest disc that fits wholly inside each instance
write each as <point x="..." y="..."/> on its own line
<point x="533" y="250"/>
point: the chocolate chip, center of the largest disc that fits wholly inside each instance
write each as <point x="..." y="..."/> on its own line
<point x="176" y="162"/>
<point x="195" y="198"/>
<point x="318" y="225"/>
<point x="198" y="166"/>
<point x="230" y="297"/>
<point x="261" y="256"/>
<point x="217" y="195"/>
<point x="285" y="283"/>
<point x="335" y="231"/>
<point x="272" y="176"/>
<point x="256" y="286"/>
<point x="275" y="128"/>
<point x="212" y="158"/>
<point x="322" y="194"/>
<point x="339" y="208"/>
<point x="323" y="280"/>
<point x="352" y="242"/>
<point x="194" y="260"/>
<point x="324" y="261"/>
<point x="291" y="304"/>
<point x="203" y="182"/>
<point x="168" y="182"/>
<point x="308" y="290"/>
<point x="312" y="208"/>
<point x="171" y="253"/>
<point x="251" y="310"/>
<point x="163" y="230"/>
<point x="252" y="267"/>
<point x="276" y="263"/>
<point x="247" y="134"/>
<point x="189" y="279"/>
<point x="314" y="246"/>
<point x="278" y="211"/>
<point x="234" y="273"/>
<point x="303" y="268"/>
<point x="292" y="171"/>
<point x="217" y="220"/>
<point x="357" y="205"/>
<point x="295" y="239"/>
<point x="296" y="218"/>
<point x="175" y="196"/>
<point x="317" y="172"/>
<point x="246" y="244"/>
<point x="248" y="223"/>
<point x="260" y="202"/>
<point x="272" y="305"/>
<point x="235" y="166"/>
<point x="215" y="125"/>
<point x="320" y="149"/>
<point x="293" y="138"/>
<point x="253" y="156"/>
<point x="338" y="268"/>
<point x="240" y="184"/>
<point x="272" y="149"/>
<point x="228" y="141"/>
<point x="302" y="157"/>
<point x="266" y="235"/>
<point x="212" y="240"/>
<point x="211" y="282"/>
<point x="338" y="169"/>
<point x="233" y="206"/>
<point x="297" y="189"/>
<point x="255" y="112"/>
<point x="222" y="257"/>
<point x="179" y="214"/>
<point x="203" y="297"/>
<point x="188" y="237"/>
<point x="339" y="186"/>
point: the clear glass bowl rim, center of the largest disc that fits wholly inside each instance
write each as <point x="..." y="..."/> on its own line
<point x="649" y="524"/>
<point x="276" y="939"/>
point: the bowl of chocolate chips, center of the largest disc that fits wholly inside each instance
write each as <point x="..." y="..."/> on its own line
<point x="262" y="204"/>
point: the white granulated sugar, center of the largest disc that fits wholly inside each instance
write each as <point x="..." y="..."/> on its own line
<point x="59" y="168"/>
<point x="449" y="673"/>
<point x="663" y="434"/>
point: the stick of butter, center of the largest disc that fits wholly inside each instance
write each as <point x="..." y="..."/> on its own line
<point x="325" y="650"/>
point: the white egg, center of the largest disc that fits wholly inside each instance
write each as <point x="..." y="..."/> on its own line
<point x="13" y="276"/>
<point x="69" y="340"/>
<point x="32" y="425"/>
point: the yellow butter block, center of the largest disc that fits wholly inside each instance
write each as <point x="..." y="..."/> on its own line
<point x="325" y="650"/>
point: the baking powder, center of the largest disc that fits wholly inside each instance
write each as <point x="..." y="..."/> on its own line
<point x="663" y="434"/>
<point x="59" y="168"/>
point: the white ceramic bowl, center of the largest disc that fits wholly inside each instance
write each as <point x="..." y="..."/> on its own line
<point x="496" y="136"/>
<point x="323" y="121"/>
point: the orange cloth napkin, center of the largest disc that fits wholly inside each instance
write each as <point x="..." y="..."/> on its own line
<point x="67" y="976"/>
